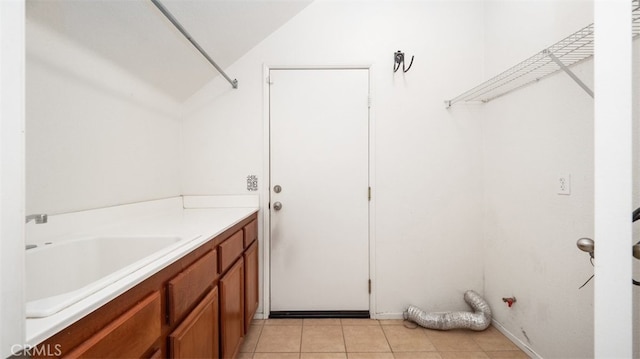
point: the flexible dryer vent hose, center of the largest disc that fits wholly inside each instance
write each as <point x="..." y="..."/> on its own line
<point x="480" y="319"/>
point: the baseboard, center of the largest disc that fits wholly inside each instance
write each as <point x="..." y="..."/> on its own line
<point x="387" y="316"/>
<point x="320" y="314"/>
<point x="519" y="343"/>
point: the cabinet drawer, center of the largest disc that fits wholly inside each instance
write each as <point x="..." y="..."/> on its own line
<point x="250" y="233"/>
<point x="187" y="287"/>
<point x="230" y="250"/>
<point x="128" y="336"/>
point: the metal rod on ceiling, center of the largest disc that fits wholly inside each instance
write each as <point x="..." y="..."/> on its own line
<point x="193" y="42"/>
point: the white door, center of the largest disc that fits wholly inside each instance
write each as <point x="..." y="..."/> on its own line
<point x="319" y="158"/>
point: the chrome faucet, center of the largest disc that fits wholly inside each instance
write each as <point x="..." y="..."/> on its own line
<point x="39" y="218"/>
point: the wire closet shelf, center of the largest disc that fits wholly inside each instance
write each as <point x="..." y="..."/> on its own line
<point x="569" y="51"/>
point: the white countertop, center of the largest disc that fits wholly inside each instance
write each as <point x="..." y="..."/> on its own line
<point x="196" y="226"/>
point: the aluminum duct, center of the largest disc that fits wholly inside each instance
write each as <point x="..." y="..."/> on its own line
<point x="480" y="319"/>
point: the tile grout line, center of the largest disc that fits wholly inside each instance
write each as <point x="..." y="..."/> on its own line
<point x="344" y="340"/>
<point x="387" y="339"/>
<point x="301" y="333"/>
<point x="302" y="326"/>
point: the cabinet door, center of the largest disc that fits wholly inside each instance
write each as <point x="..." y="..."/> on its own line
<point x="197" y="335"/>
<point x="250" y="284"/>
<point x="232" y="309"/>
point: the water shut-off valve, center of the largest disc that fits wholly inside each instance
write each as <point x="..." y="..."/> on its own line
<point x="509" y="301"/>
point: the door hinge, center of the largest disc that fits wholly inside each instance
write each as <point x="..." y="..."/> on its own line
<point x="369" y="100"/>
<point x="369" y="286"/>
<point x="369" y="193"/>
<point x="269" y="80"/>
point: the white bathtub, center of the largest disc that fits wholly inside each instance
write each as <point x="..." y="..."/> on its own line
<point x="61" y="274"/>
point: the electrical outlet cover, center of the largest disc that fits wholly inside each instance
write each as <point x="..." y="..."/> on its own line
<point x="564" y="184"/>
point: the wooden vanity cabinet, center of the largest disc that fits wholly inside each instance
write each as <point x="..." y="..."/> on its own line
<point x="194" y="308"/>
<point x="198" y="334"/>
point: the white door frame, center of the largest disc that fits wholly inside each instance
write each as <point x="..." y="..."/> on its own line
<point x="613" y="303"/>
<point x="266" y="191"/>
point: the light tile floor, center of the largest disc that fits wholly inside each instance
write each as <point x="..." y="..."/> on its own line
<point x="369" y="339"/>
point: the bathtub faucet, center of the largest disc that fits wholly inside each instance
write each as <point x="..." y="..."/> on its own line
<point x="39" y="218"/>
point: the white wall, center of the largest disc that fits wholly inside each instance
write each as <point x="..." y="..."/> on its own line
<point x="515" y="30"/>
<point x="530" y="137"/>
<point x="427" y="160"/>
<point x="636" y="190"/>
<point x="530" y="231"/>
<point x="11" y="174"/>
<point x="96" y="136"/>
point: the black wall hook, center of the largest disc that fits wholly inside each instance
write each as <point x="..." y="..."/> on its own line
<point x="399" y="59"/>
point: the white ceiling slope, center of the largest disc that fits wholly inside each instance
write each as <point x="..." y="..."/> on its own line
<point x="135" y="36"/>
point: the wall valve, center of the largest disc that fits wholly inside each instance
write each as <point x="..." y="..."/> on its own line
<point x="509" y="301"/>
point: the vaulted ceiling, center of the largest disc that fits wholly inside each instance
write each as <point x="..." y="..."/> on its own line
<point x="134" y="35"/>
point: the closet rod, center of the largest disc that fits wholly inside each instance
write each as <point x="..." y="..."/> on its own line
<point x="193" y="42"/>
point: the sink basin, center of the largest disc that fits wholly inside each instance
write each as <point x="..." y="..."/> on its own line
<point x="61" y="274"/>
